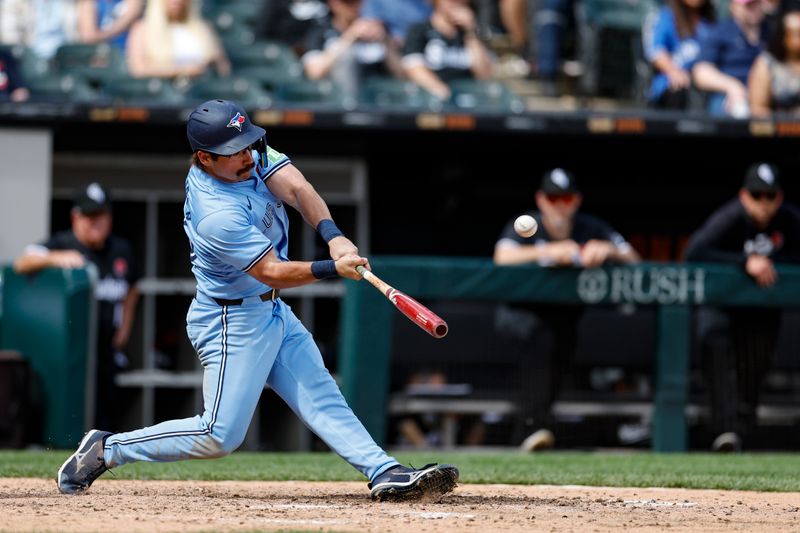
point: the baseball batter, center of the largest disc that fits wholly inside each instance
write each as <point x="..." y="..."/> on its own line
<point x="235" y="217"/>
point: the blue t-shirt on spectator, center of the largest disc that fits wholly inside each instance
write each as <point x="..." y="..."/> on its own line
<point x="661" y="35"/>
<point x="109" y="11"/>
<point x="728" y="49"/>
<point x="397" y="15"/>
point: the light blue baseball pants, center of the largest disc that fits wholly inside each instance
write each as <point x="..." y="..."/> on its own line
<point x="242" y="347"/>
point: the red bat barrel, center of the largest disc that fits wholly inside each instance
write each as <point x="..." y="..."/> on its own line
<point x="421" y="315"/>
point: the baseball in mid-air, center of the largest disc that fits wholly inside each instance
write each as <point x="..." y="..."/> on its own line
<point x="525" y="226"/>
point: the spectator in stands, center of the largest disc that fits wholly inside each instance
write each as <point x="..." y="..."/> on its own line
<point x="107" y="20"/>
<point x="727" y="52"/>
<point x="174" y="41"/>
<point x="398" y="17"/>
<point x="348" y="48"/>
<point x="518" y="18"/>
<point x="290" y="21"/>
<point x="774" y="83"/>
<point x="445" y="48"/>
<point x="755" y="231"/>
<point x="671" y="46"/>
<point x="554" y="19"/>
<point x="90" y="241"/>
<point x="565" y="238"/>
<point x="12" y="86"/>
<point x="41" y="25"/>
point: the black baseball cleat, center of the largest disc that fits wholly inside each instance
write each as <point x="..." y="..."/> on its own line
<point x="78" y="472"/>
<point x="403" y="484"/>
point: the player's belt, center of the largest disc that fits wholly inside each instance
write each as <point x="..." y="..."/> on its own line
<point x="273" y="295"/>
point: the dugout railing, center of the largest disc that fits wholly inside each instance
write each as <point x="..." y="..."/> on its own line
<point x="674" y="288"/>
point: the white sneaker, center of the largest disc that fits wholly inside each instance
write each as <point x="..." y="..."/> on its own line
<point x="542" y="439"/>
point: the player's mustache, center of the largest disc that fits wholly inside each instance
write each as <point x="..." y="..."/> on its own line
<point x="247" y="169"/>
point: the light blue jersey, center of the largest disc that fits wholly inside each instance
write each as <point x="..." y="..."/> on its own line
<point x="245" y="343"/>
<point x="232" y="226"/>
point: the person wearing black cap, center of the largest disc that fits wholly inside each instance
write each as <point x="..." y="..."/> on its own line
<point x="90" y="241"/>
<point x="566" y="238"/>
<point x="754" y="230"/>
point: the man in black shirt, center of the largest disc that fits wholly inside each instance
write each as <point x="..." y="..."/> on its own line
<point x="90" y="241"/>
<point x="566" y="237"/>
<point x="754" y="230"/>
<point x="446" y="48"/>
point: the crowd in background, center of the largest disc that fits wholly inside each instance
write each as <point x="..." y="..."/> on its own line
<point x="729" y="57"/>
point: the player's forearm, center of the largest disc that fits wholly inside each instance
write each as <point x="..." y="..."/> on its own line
<point x="310" y="204"/>
<point x="30" y="263"/>
<point x="283" y="275"/>
<point x="481" y="60"/>
<point x="625" y="255"/>
<point x="429" y="81"/>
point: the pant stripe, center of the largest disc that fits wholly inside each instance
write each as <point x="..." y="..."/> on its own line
<point x="221" y="378"/>
<point x="214" y="411"/>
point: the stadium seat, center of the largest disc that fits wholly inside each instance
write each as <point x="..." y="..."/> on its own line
<point x="97" y="63"/>
<point x="142" y="90"/>
<point x="234" y="16"/>
<point x="484" y="96"/>
<point x="262" y="53"/>
<point x="244" y="91"/>
<point x="270" y="76"/>
<point x="30" y="65"/>
<point x="391" y="93"/>
<point x="58" y="88"/>
<point x="315" y="93"/>
<point x="610" y="47"/>
<point x="235" y="40"/>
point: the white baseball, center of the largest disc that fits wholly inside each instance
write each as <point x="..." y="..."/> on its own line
<point x="525" y="226"/>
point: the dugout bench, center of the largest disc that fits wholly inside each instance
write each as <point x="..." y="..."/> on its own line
<point x="366" y="318"/>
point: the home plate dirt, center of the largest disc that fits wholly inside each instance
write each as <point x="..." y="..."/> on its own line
<point x="160" y="506"/>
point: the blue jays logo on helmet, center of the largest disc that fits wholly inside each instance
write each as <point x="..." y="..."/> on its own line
<point x="210" y="128"/>
<point x="237" y="121"/>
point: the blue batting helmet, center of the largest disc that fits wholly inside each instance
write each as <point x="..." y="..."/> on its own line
<point x="221" y="127"/>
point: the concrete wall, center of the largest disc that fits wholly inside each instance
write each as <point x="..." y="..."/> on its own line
<point x="25" y="189"/>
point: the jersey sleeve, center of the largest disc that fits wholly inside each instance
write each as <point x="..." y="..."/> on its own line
<point x="274" y="160"/>
<point x="706" y="243"/>
<point x="229" y="236"/>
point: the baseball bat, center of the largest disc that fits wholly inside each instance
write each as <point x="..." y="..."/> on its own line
<point x="415" y="311"/>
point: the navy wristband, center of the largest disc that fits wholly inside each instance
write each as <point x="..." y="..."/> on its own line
<point x="324" y="269"/>
<point x="328" y="230"/>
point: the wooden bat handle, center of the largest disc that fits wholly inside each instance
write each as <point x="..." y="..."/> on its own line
<point x="377" y="282"/>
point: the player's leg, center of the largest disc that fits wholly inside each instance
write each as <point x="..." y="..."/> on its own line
<point x="299" y="377"/>
<point x="237" y="346"/>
